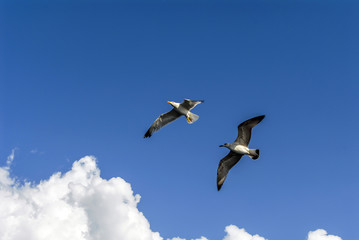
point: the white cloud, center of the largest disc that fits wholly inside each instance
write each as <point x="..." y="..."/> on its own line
<point x="77" y="205"/>
<point x="4" y="171"/>
<point x="235" y="233"/>
<point x="178" y="238"/>
<point x="10" y="158"/>
<point x="80" y="205"/>
<point x="321" y="234"/>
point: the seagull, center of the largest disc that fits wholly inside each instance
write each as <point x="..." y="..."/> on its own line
<point x="178" y="110"/>
<point x="238" y="149"/>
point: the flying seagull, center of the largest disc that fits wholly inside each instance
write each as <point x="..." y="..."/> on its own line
<point x="178" y="110"/>
<point x="238" y="149"/>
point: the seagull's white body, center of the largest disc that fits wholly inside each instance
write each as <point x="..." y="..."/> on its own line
<point x="180" y="109"/>
<point x="238" y="148"/>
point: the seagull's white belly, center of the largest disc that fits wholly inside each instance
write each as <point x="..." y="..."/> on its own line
<point x="182" y="110"/>
<point x="240" y="149"/>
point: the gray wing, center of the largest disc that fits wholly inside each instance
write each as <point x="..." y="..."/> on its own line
<point x="161" y="121"/>
<point x="225" y="165"/>
<point x="189" y="104"/>
<point x="245" y="130"/>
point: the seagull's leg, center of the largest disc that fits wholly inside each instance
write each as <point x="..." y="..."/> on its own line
<point x="188" y="119"/>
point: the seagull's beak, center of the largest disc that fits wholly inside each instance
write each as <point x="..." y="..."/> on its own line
<point x="221" y="145"/>
<point x="169" y="102"/>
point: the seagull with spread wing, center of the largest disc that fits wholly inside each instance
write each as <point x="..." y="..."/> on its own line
<point x="238" y="149"/>
<point x="178" y="110"/>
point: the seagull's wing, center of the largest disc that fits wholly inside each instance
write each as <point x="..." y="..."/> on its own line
<point x="225" y="165"/>
<point x="245" y="130"/>
<point x="161" y="121"/>
<point x="189" y="104"/>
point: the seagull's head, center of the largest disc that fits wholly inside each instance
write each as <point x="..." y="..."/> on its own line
<point x="174" y="104"/>
<point x="224" y="145"/>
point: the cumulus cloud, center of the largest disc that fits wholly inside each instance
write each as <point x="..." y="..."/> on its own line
<point x="235" y="233"/>
<point x="80" y="205"/>
<point x="4" y="171"/>
<point x="178" y="238"/>
<point x="77" y="205"/>
<point x="321" y="234"/>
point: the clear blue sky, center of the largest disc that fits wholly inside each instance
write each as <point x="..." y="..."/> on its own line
<point x="88" y="78"/>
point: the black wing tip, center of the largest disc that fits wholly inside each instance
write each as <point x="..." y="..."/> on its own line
<point x="259" y="118"/>
<point x="219" y="187"/>
<point x="147" y="134"/>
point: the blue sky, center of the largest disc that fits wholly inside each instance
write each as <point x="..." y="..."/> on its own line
<point x="88" y="78"/>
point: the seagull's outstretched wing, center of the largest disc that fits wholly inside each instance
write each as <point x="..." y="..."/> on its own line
<point x="161" y="121"/>
<point x="245" y="130"/>
<point x="225" y="165"/>
<point x="189" y="104"/>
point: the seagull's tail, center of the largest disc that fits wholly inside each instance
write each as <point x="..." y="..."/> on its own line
<point x="254" y="153"/>
<point x="191" y="117"/>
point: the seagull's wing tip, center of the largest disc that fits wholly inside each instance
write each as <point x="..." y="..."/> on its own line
<point x="147" y="135"/>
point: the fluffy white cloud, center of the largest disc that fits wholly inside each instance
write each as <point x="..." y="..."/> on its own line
<point x="80" y="205"/>
<point x="178" y="238"/>
<point x="235" y="233"/>
<point x="77" y="205"/>
<point x="321" y="234"/>
<point x="4" y="171"/>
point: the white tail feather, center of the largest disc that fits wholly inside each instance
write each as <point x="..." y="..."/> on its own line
<point x="191" y="117"/>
